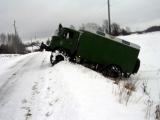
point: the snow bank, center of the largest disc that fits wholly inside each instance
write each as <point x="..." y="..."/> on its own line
<point x="31" y="89"/>
<point x="96" y="96"/>
<point x="150" y="49"/>
<point x="149" y="74"/>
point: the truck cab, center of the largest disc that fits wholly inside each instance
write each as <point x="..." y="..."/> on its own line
<point x="66" y="39"/>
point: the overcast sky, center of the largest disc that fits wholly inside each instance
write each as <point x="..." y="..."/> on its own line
<point x="41" y="17"/>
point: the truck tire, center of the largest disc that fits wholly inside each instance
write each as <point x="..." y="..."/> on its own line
<point x="113" y="71"/>
<point x="51" y="59"/>
<point x="126" y="75"/>
<point x="58" y="58"/>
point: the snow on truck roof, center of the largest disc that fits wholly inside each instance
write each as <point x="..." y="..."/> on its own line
<point x="133" y="45"/>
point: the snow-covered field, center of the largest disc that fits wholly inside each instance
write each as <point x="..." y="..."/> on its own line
<point x="31" y="89"/>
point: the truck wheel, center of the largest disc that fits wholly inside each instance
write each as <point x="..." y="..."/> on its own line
<point x="58" y="58"/>
<point x="51" y="59"/>
<point x="113" y="71"/>
<point x="127" y="75"/>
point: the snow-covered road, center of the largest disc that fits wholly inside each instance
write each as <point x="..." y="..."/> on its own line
<point x="17" y="85"/>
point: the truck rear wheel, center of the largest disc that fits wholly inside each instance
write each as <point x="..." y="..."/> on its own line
<point x="113" y="71"/>
<point x="127" y="75"/>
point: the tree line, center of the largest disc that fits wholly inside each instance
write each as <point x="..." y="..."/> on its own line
<point x="11" y="44"/>
<point x="150" y="29"/>
<point x="116" y="29"/>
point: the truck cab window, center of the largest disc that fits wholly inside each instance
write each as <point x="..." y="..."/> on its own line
<point x="71" y="34"/>
<point x="68" y="35"/>
<point x="65" y="35"/>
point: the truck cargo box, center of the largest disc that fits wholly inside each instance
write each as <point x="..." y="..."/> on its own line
<point x="108" y="50"/>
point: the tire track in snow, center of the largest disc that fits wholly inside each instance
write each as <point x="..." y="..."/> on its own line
<point x="29" y="106"/>
<point x="29" y="103"/>
<point x="14" y="75"/>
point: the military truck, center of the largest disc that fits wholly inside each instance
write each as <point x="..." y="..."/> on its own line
<point x="109" y="55"/>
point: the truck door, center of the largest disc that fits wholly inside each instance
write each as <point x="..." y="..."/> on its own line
<point x="71" y="38"/>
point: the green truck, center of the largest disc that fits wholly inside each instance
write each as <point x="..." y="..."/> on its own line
<point x="106" y="54"/>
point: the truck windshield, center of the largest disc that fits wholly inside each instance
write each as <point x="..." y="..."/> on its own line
<point x="68" y="35"/>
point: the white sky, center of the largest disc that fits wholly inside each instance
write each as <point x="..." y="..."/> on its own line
<point x="41" y="17"/>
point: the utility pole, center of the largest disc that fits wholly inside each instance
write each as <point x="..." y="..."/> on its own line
<point x="15" y="29"/>
<point x="32" y="45"/>
<point x="109" y="19"/>
<point x="15" y="41"/>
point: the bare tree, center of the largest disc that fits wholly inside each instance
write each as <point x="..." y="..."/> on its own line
<point x="82" y="27"/>
<point x="116" y="30"/>
<point x="3" y="38"/>
<point x="72" y="27"/>
<point x="92" y="27"/>
<point x="126" y="31"/>
<point x="11" y="44"/>
<point x="105" y="26"/>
